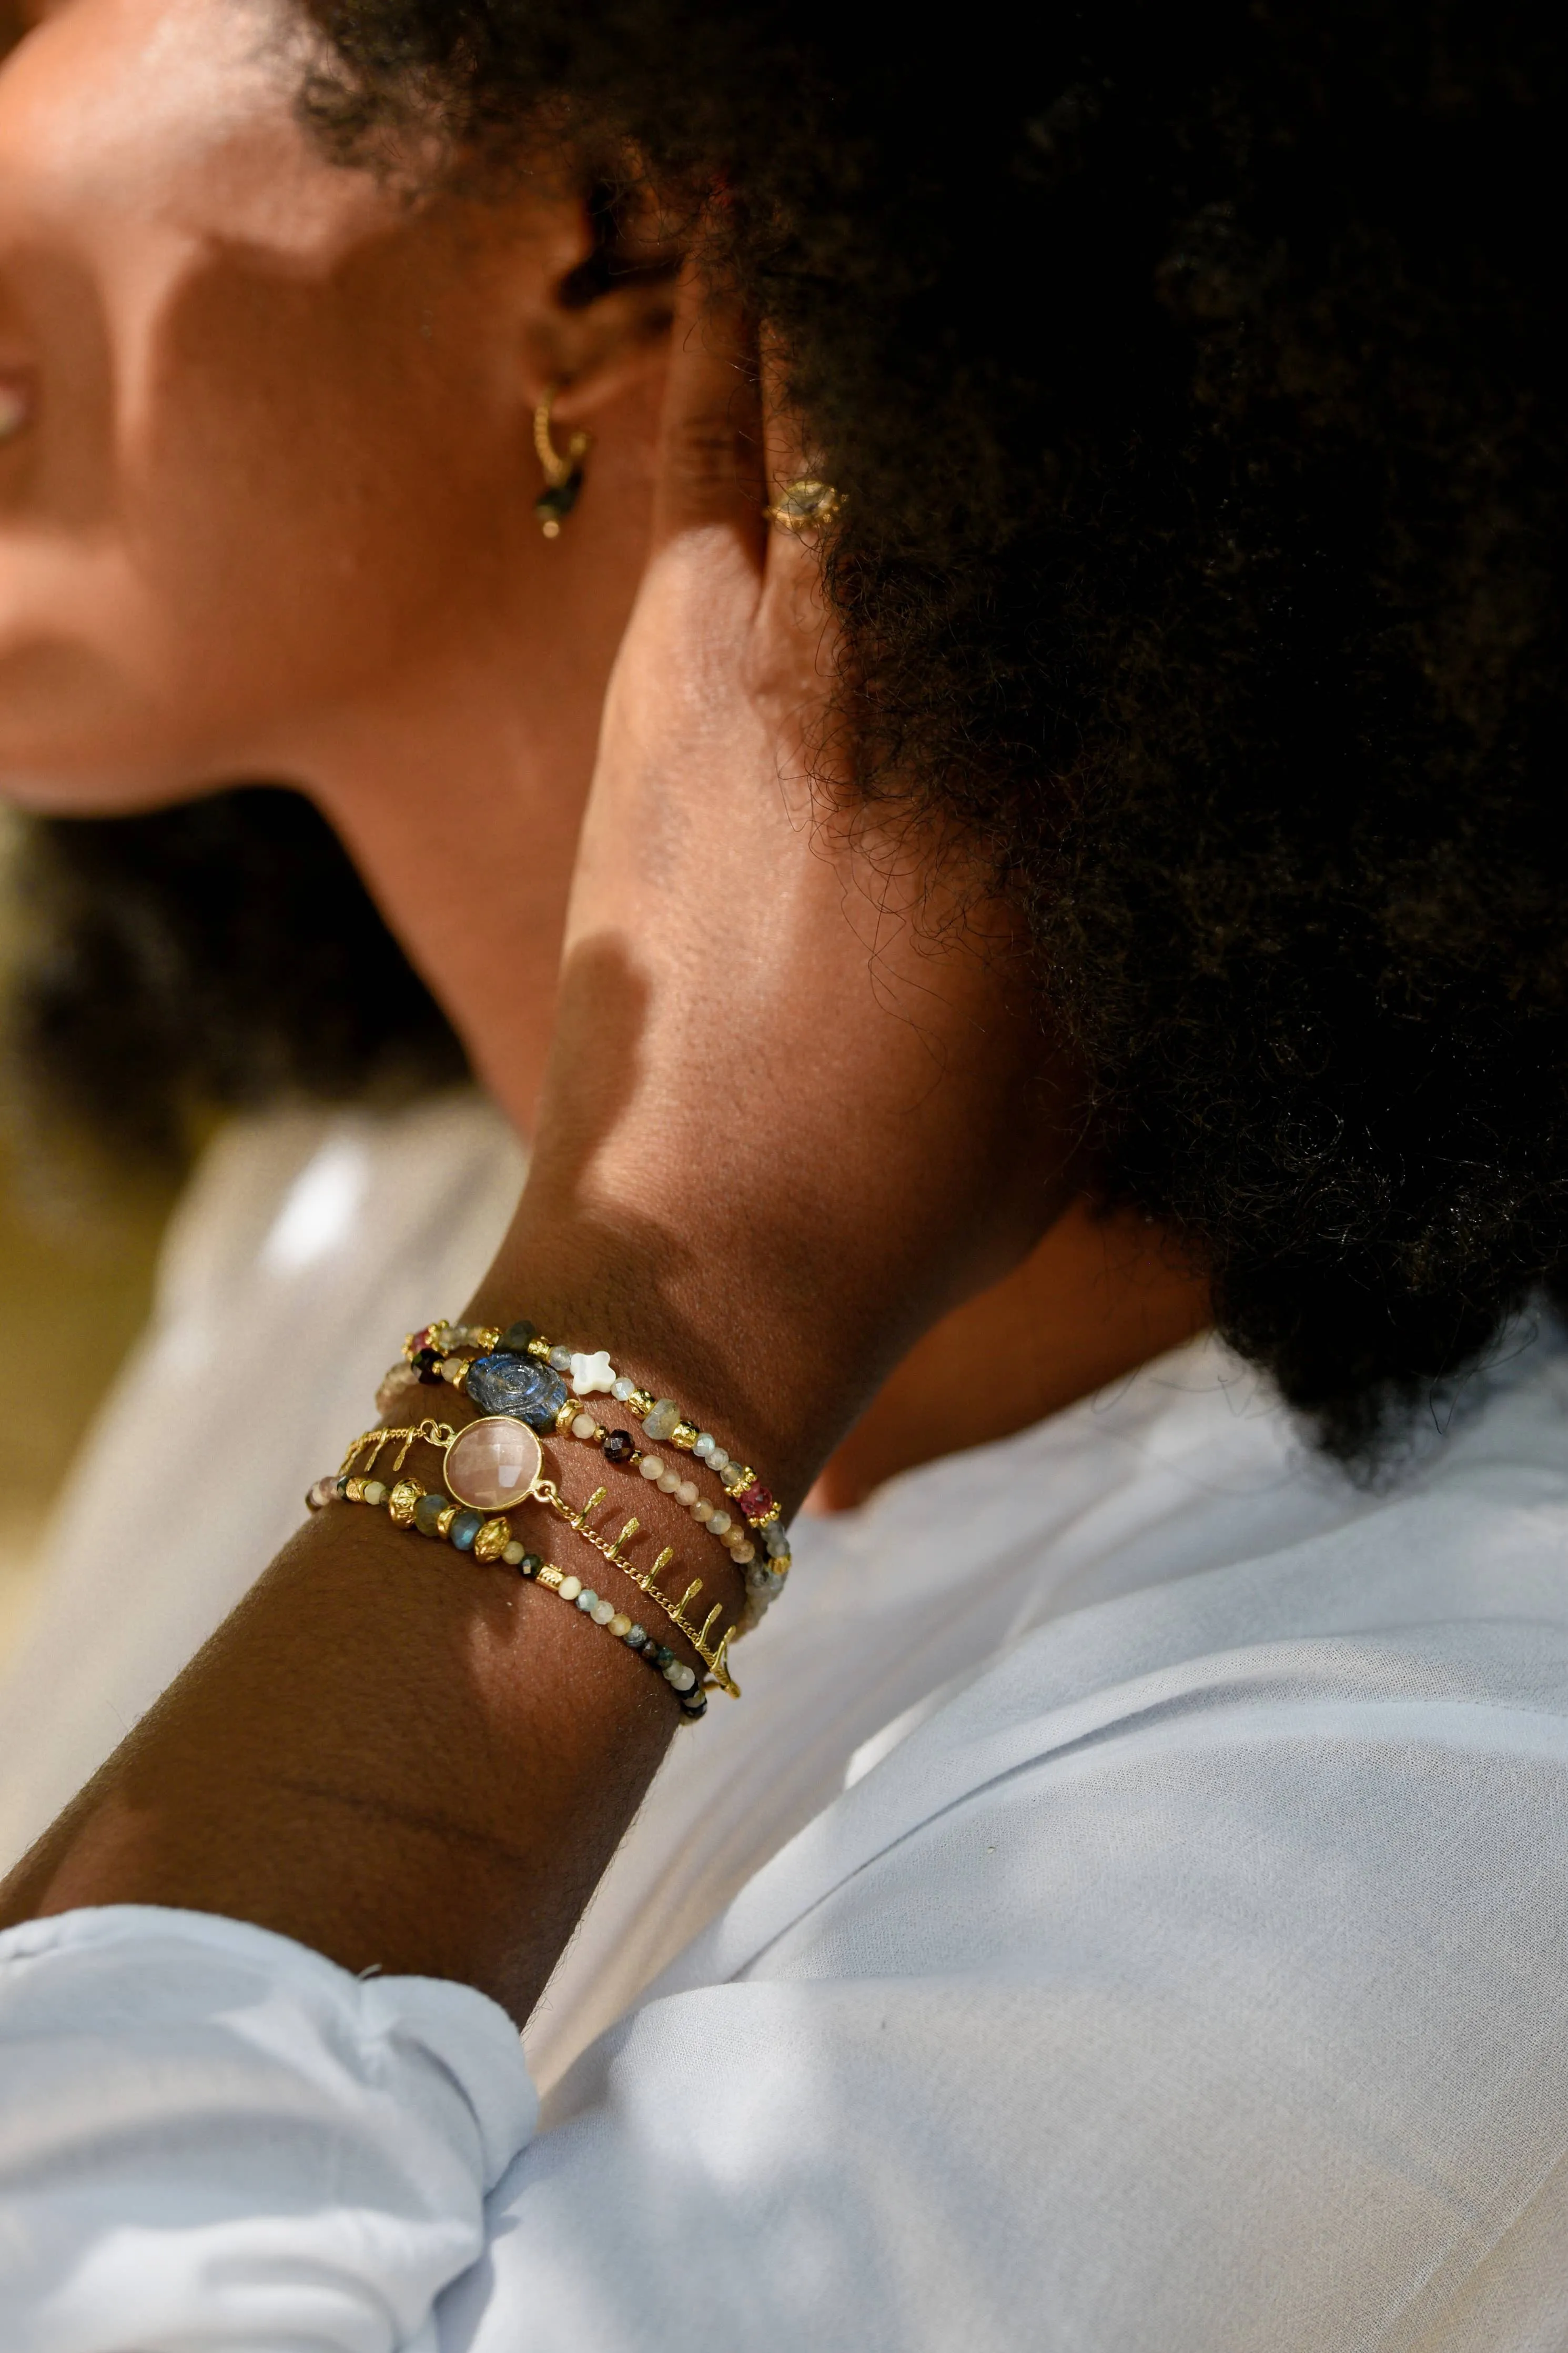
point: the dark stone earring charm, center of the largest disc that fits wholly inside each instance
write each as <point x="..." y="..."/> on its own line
<point x="552" y="506"/>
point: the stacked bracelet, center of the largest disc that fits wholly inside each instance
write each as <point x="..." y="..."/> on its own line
<point x="491" y="1466"/>
<point x="520" y="1372"/>
<point x="410" y="1506"/>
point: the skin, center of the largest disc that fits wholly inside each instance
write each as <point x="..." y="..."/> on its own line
<point x="793" y="1145"/>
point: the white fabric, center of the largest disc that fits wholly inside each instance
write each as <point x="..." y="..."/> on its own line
<point x="1128" y="1908"/>
<point x="304" y="1247"/>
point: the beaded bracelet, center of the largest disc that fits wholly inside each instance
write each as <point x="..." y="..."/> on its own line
<point x="492" y="1465"/>
<point x="444" y="1523"/>
<point x="519" y="1371"/>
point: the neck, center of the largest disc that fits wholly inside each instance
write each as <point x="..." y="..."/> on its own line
<point x="453" y="807"/>
<point x="1098" y="1297"/>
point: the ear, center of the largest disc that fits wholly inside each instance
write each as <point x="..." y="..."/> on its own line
<point x="606" y="315"/>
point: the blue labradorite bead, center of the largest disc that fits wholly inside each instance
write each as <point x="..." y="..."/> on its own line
<point x="516" y="1337"/>
<point x="465" y="1528"/>
<point x="428" y="1512"/>
<point x="520" y="1385"/>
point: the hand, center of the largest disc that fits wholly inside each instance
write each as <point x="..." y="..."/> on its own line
<point x="801" y="1099"/>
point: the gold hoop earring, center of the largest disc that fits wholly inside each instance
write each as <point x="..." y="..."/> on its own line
<point x="562" y="475"/>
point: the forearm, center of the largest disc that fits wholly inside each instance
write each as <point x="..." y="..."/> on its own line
<point x="395" y="1753"/>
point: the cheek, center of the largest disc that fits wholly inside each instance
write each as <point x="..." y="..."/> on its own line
<point x="297" y="506"/>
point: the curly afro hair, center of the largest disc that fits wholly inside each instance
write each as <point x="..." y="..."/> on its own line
<point x="1196" y="379"/>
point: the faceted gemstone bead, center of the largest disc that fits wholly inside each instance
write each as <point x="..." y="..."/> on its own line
<point x="493" y="1463"/>
<point x="340" y="1485"/>
<point x="320" y="1494"/>
<point x="659" y="1422"/>
<point x="621" y="1389"/>
<point x="719" y="1523"/>
<point x="532" y="1562"/>
<point x="570" y="1588"/>
<point x="427" y="1513"/>
<point x="520" y="1385"/>
<point x="620" y="1625"/>
<point x="584" y="1425"/>
<point x="717" y="1458"/>
<point x="702" y="1445"/>
<point x="514" y="1554"/>
<point x="516" y="1337"/>
<point x="776" y="1541"/>
<point x="422" y="1337"/>
<point x="680" y="1675"/>
<point x="561" y="1358"/>
<point x="401" y="1378"/>
<point x="755" y="1501"/>
<point x="465" y="1528"/>
<point x="637" y="1639"/>
<point x="620" y="1446"/>
<point x="587" y="1600"/>
<point x="652" y="1467"/>
<point x="425" y="1363"/>
<point x="602" y="1612"/>
<point x="374" y="1492"/>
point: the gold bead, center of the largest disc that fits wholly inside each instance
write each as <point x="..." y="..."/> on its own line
<point x="549" y="1575"/>
<point x="685" y="1435"/>
<point x="540" y="1345"/>
<point x="641" y="1402"/>
<point x="401" y="1502"/>
<point x="492" y="1540"/>
<point x="354" y="1492"/>
<point x="444" y="1525"/>
<point x="484" y="1337"/>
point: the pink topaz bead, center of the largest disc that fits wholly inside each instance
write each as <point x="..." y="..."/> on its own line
<point x="493" y="1463"/>
<point x="755" y="1502"/>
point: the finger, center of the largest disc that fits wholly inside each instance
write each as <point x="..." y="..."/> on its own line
<point x="711" y="442"/>
<point x="798" y="632"/>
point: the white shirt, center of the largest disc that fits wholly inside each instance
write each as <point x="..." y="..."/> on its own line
<point x="306" y="1245"/>
<point x="1128" y="1908"/>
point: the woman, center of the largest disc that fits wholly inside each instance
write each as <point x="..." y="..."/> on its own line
<point x="1187" y="1962"/>
<point x="217" y="952"/>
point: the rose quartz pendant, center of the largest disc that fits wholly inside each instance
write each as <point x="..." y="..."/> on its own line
<point x="493" y="1463"/>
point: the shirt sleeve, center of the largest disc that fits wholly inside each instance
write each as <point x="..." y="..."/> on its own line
<point x="211" y="2137"/>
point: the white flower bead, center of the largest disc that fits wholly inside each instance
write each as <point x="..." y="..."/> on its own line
<point x="590" y="1373"/>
